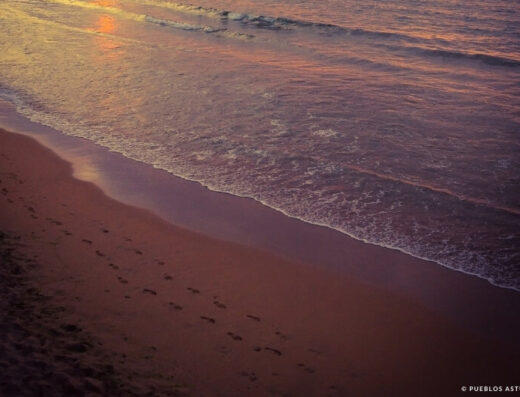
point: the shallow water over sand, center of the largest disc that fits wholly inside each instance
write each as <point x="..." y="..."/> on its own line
<point x="395" y="123"/>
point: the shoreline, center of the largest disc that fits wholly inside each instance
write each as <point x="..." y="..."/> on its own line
<point x="89" y="164"/>
<point x="467" y="300"/>
<point x="223" y="318"/>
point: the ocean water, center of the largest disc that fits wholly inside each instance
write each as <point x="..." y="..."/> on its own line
<point x="396" y="122"/>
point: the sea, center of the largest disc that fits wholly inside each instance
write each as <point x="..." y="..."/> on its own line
<point x="396" y="122"/>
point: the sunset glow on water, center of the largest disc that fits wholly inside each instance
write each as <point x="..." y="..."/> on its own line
<point x="395" y="122"/>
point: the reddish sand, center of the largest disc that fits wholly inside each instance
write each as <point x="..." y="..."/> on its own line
<point x="218" y="318"/>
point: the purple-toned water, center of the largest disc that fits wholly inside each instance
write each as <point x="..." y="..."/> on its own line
<point x="395" y="122"/>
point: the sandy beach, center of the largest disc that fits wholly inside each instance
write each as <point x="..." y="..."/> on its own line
<point x="259" y="198"/>
<point x="169" y="311"/>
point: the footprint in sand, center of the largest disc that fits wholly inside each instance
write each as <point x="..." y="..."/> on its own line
<point x="66" y="232"/>
<point x="220" y="305"/>
<point x="274" y="351"/>
<point x="159" y="262"/>
<point x="208" y="319"/>
<point x="70" y="328"/>
<point x="122" y="280"/>
<point x="86" y="241"/>
<point x="80" y="347"/>
<point x="234" y="336"/>
<point x="175" y="306"/>
<point x="306" y="369"/>
<point x="115" y="267"/>
<point x="104" y="230"/>
<point x="253" y="317"/>
<point x="99" y="253"/>
<point x="249" y="375"/>
<point x="317" y="352"/>
<point x="193" y="290"/>
<point x="138" y="252"/>
<point x="149" y="291"/>
<point x="54" y="221"/>
<point x="282" y="336"/>
<point x="167" y="277"/>
<point x="222" y="349"/>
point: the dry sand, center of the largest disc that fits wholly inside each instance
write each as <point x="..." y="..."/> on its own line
<point x="110" y="299"/>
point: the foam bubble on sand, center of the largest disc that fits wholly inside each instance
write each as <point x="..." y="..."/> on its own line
<point x="325" y="133"/>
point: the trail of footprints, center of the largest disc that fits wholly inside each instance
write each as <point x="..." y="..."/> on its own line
<point x="174" y="306"/>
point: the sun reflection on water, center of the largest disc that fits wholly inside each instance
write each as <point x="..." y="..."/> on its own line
<point x="106" y="25"/>
<point x="105" y="3"/>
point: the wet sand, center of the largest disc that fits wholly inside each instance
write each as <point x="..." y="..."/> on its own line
<point x="470" y="302"/>
<point x="189" y="314"/>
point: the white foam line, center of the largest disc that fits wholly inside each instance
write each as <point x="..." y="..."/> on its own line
<point x="23" y="111"/>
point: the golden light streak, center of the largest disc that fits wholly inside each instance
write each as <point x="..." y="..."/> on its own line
<point x="106" y="24"/>
<point x="105" y="3"/>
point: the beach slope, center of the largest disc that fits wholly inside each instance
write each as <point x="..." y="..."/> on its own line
<point x="188" y="314"/>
